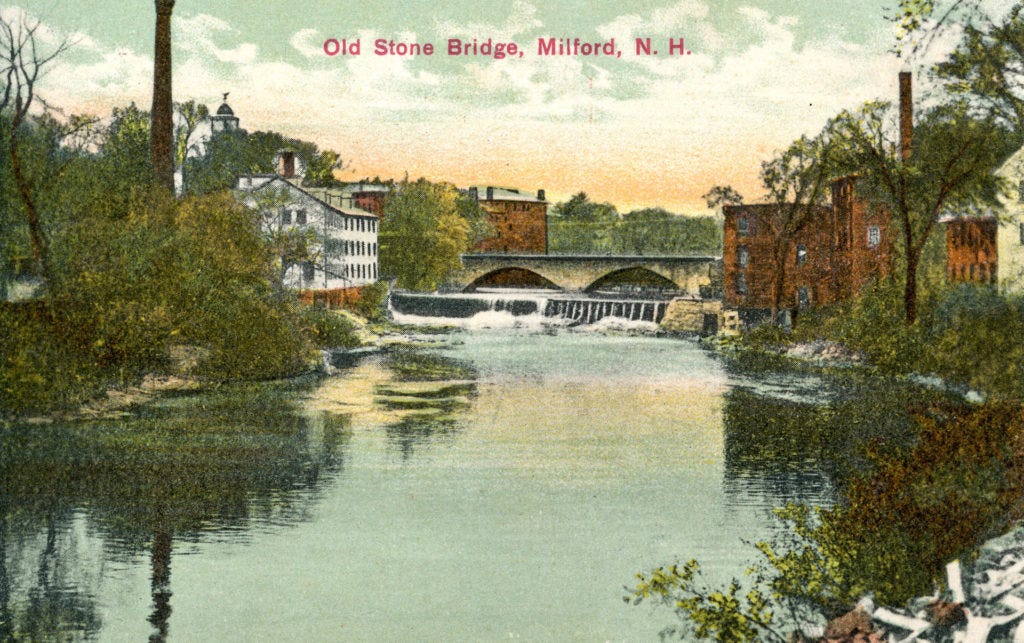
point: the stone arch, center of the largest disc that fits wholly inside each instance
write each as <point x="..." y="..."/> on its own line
<point x="634" y="278"/>
<point x="511" y="277"/>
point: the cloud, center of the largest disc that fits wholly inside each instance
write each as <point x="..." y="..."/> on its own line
<point x="684" y="18"/>
<point x="196" y="35"/>
<point x="308" y="42"/>
<point x="522" y="19"/>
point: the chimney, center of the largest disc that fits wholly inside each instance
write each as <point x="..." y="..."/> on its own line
<point x="473" y="194"/>
<point x="906" y="116"/>
<point x="286" y="164"/>
<point x="541" y="195"/>
<point x="490" y="193"/>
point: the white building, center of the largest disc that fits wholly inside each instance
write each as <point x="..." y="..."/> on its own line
<point x="345" y="247"/>
<point x="1010" y="234"/>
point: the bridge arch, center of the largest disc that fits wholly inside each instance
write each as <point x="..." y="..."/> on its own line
<point x="633" y="277"/>
<point x="511" y="277"/>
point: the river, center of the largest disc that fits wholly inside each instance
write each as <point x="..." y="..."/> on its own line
<point x="490" y="485"/>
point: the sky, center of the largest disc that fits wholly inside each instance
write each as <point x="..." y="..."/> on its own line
<point x="633" y="130"/>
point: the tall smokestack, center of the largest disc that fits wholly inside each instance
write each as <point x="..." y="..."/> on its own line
<point x="906" y="116"/>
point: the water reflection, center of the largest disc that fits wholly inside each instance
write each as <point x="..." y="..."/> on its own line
<point x="799" y="438"/>
<point x="242" y="457"/>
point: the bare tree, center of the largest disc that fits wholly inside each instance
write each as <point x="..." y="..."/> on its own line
<point x="22" y="62"/>
<point x="162" y="131"/>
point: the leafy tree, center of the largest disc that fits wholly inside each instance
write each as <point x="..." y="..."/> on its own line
<point x="162" y="133"/>
<point x="424" y="230"/>
<point x="233" y="153"/>
<point x="190" y="115"/>
<point x="797" y="182"/>
<point x="581" y="226"/>
<point x="290" y="245"/>
<point x="656" y="231"/>
<point x="949" y="167"/>
<point x="720" y="195"/>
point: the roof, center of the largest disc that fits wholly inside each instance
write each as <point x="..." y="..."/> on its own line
<point x="351" y="212"/>
<point x="225" y="110"/>
<point x="505" y="194"/>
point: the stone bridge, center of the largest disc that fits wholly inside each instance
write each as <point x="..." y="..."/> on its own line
<point x="693" y="276"/>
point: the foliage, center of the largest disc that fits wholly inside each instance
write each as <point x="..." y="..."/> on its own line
<point x="39" y="371"/>
<point x="372" y="303"/>
<point x="949" y="167"/>
<point x="329" y="329"/>
<point x="974" y="339"/>
<point x="871" y="323"/>
<point x="580" y="226"/>
<point x="720" y="195"/>
<point x="901" y="522"/>
<point x="233" y="153"/>
<point x="958" y="486"/>
<point x="656" y="231"/>
<point x="423" y="232"/>
<point x="708" y="614"/>
<point x="796" y="181"/>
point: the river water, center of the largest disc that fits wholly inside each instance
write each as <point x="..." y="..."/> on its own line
<point x="490" y="485"/>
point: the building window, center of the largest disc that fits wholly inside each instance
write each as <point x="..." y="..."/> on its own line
<point x="741" y="284"/>
<point x="801" y="254"/>
<point x="307" y="270"/>
<point x="803" y="297"/>
<point x="1020" y="191"/>
<point x="286" y="217"/>
<point x="742" y="256"/>
<point x="1022" y="234"/>
<point x="874" y="236"/>
<point x="300" y="217"/>
<point x="743" y="226"/>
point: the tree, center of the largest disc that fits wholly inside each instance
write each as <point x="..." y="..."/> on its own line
<point x="797" y="183"/>
<point x="581" y="226"/>
<point x="162" y="134"/>
<point x="21" y="64"/>
<point x="423" y="232"/>
<point x="950" y="167"/>
<point x="720" y="195"/>
<point x="289" y="245"/>
<point x="190" y="115"/>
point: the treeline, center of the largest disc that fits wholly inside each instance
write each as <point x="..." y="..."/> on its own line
<point x="126" y="274"/>
<point x="581" y="226"/>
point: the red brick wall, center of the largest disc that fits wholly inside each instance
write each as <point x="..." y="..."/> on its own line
<point x="519" y="227"/>
<point x="838" y="255"/>
<point x="971" y="251"/>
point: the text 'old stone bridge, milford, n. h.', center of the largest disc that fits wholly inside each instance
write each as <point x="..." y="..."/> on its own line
<point x="694" y="276"/>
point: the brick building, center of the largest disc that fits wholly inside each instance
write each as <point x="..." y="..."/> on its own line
<point x="840" y="249"/>
<point x="972" y="250"/>
<point x="519" y="219"/>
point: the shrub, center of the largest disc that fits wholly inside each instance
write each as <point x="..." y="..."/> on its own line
<point x="329" y="329"/>
<point x="974" y="339"/>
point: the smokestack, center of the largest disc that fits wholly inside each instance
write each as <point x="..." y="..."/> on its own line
<point x="906" y="116"/>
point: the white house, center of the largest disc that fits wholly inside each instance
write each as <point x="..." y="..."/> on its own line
<point x="345" y="246"/>
<point x="1010" y="234"/>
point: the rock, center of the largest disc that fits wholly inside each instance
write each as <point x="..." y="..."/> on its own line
<point x="945" y="613"/>
<point x="853" y="627"/>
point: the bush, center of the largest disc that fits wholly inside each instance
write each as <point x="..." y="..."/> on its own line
<point x="372" y="305"/>
<point x="38" y="371"/>
<point x="974" y="340"/>
<point x="329" y="329"/>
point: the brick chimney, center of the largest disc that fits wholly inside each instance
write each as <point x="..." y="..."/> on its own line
<point x="906" y="115"/>
<point x="490" y="193"/>
<point x="541" y="195"/>
<point x="474" y="194"/>
<point x="286" y="164"/>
